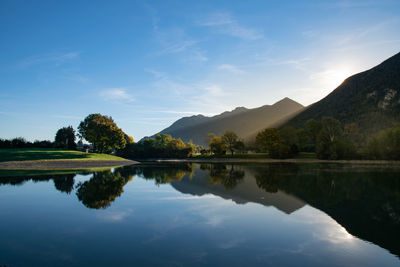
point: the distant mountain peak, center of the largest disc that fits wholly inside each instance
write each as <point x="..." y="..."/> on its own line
<point x="243" y="121"/>
<point x="286" y="100"/>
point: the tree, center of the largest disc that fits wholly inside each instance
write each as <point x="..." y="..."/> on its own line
<point x="289" y="136"/>
<point x="216" y="144"/>
<point x="330" y="129"/>
<point x="240" y="146"/>
<point x="128" y="139"/>
<point x="302" y="139"/>
<point x="313" y="127"/>
<point x="353" y="133"/>
<point x="102" y="132"/>
<point x="329" y="142"/>
<point x="386" y="145"/>
<point x="230" y="139"/>
<point x="269" y="140"/>
<point x="65" y="138"/>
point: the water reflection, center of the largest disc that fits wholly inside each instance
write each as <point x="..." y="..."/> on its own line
<point x="229" y="177"/>
<point x="62" y="182"/>
<point x="103" y="188"/>
<point x="365" y="201"/>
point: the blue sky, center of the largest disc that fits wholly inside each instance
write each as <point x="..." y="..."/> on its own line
<point x="148" y="63"/>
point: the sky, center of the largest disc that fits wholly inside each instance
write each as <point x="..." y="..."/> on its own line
<point x="148" y="63"/>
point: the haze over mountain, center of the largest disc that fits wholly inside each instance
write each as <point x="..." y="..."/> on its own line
<point x="244" y="122"/>
<point x="370" y="98"/>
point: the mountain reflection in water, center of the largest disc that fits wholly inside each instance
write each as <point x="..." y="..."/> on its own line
<point x="364" y="200"/>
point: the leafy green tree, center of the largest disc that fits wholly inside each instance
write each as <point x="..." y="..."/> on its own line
<point x="313" y="128"/>
<point x="102" y="132"/>
<point x="302" y="139"/>
<point x="162" y="140"/>
<point x="267" y="139"/>
<point x="270" y="140"/>
<point x="353" y="133"/>
<point x="65" y="138"/>
<point x="330" y="144"/>
<point x="217" y="145"/>
<point x="386" y="145"/>
<point x="240" y="146"/>
<point x="289" y="136"/>
<point x="330" y="130"/>
<point x="159" y="146"/>
<point x="128" y="139"/>
<point x="230" y="139"/>
<point x="391" y="143"/>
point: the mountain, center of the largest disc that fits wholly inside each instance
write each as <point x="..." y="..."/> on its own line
<point x="242" y="121"/>
<point x="370" y="98"/>
<point x="199" y="184"/>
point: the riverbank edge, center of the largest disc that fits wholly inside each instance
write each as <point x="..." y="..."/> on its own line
<point x="63" y="164"/>
<point x="238" y="160"/>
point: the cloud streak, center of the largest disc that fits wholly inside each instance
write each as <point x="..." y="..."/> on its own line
<point x="56" y="58"/>
<point x="223" y="23"/>
<point x="230" y="68"/>
<point x="116" y="94"/>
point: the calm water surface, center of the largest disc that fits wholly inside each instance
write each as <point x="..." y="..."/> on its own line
<point x="210" y="214"/>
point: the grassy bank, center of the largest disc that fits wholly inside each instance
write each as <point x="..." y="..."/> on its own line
<point x="10" y="173"/>
<point x="19" y="154"/>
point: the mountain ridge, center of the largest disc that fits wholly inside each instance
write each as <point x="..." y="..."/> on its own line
<point x="370" y="98"/>
<point x="241" y="120"/>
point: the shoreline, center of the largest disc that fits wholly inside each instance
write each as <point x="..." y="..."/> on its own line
<point x="74" y="164"/>
<point x="267" y="160"/>
<point x="62" y="164"/>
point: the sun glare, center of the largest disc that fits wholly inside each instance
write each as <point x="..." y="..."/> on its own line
<point x="329" y="79"/>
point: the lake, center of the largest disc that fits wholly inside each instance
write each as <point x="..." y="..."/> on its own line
<point x="203" y="214"/>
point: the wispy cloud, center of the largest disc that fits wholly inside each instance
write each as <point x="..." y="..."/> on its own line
<point x="114" y="216"/>
<point x="186" y="197"/>
<point x="346" y="4"/>
<point x="213" y="90"/>
<point x="216" y="19"/>
<point x="231" y="68"/>
<point x="223" y="23"/>
<point x="177" y="47"/>
<point x="116" y="94"/>
<point x="198" y="55"/>
<point x="56" y="58"/>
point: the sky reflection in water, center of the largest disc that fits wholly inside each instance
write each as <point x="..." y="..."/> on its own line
<point x="203" y="214"/>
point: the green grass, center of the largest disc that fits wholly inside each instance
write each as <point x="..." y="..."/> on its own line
<point x="10" y="173"/>
<point x="18" y="154"/>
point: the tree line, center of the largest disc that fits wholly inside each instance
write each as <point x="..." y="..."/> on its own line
<point x="326" y="137"/>
<point x="159" y="146"/>
<point x="100" y="130"/>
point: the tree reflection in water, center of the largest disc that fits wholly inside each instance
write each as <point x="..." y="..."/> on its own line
<point x="364" y="200"/>
<point x="229" y="177"/>
<point x="164" y="173"/>
<point x="64" y="183"/>
<point x="103" y="188"/>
